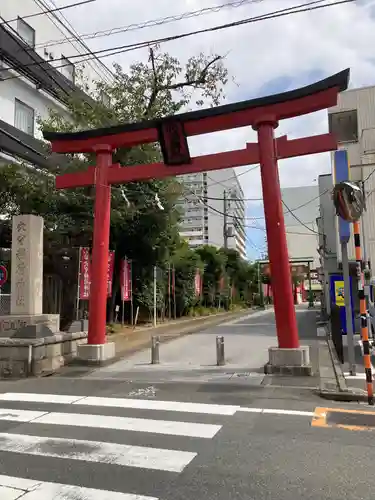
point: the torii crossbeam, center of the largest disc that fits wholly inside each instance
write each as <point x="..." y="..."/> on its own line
<point x="263" y="115"/>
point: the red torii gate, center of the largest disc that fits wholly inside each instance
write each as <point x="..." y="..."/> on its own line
<point x="263" y="114"/>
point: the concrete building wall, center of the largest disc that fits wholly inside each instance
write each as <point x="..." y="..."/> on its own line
<point x="361" y="153"/>
<point x="46" y="28"/>
<point x="300" y="221"/>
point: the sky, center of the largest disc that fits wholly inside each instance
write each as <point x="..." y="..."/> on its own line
<point x="263" y="58"/>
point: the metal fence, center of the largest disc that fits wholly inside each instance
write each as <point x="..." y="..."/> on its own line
<point x="4" y="304"/>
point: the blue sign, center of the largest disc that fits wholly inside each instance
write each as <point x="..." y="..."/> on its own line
<point x="336" y="282"/>
<point x="342" y="173"/>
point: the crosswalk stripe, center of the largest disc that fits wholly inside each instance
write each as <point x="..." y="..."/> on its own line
<point x="96" y="451"/>
<point x="20" y="415"/>
<point x="146" y="404"/>
<point x="14" y="488"/>
<point x="170" y="427"/>
<point x="39" y="398"/>
<point x="141" y="404"/>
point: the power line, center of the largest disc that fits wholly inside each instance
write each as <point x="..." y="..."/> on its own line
<point x="19" y="43"/>
<point x="74" y="36"/>
<point x="156" y="22"/>
<point x="135" y="46"/>
<point x="299" y="220"/>
<point x="235" y="176"/>
<point x="240" y="218"/>
<point x="49" y="11"/>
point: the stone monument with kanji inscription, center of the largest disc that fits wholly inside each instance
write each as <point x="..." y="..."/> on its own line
<point x="27" y="278"/>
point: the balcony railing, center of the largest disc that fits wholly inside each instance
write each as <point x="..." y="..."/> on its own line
<point x="24" y="146"/>
<point x="23" y="59"/>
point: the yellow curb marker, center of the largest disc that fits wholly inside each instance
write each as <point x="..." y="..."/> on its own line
<point x="352" y="420"/>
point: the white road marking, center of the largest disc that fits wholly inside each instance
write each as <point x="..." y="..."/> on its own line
<point x="137" y="424"/>
<point x="170" y="427"/>
<point x="358" y="376"/>
<point x="98" y="452"/>
<point x="39" y="398"/>
<point x="13" y="488"/>
<point x="274" y="411"/>
<point x="251" y="410"/>
<point x="141" y="404"/>
<point x="20" y="415"/>
<point x="211" y="409"/>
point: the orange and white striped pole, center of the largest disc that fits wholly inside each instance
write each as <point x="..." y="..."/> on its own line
<point x="363" y="313"/>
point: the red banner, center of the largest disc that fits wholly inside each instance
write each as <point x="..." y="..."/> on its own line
<point x="125" y="280"/>
<point x="84" y="273"/>
<point x="85" y="269"/>
<point x="198" y="283"/>
<point x="111" y="265"/>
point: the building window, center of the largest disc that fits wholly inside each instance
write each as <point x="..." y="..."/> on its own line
<point x="344" y="125"/>
<point x="26" y="32"/>
<point x="24" y="117"/>
<point x="68" y="69"/>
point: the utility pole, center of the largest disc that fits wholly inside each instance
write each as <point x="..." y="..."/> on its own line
<point x="367" y="269"/>
<point x="225" y="228"/>
<point x="260" y="288"/>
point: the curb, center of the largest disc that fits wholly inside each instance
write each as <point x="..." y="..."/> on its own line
<point x="342" y="392"/>
<point x="348" y="396"/>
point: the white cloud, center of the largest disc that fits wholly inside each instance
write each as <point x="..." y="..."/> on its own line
<point x="290" y="50"/>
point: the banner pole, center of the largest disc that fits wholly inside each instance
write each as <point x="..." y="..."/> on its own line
<point x="169" y="292"/>
<point x="131" y="293"/>
<point x="78" y="283"/>
<point x="174" y="291"/>
<point x="125" y="263"/>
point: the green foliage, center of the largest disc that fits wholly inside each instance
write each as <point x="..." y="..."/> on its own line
<point x="139" y="230"/>
<point x="185" y="262"/>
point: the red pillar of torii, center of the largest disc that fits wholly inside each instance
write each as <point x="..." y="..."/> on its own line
<point x="263" y="115"/>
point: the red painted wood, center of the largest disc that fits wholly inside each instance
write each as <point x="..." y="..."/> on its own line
<point x="100" y="250"/>
<point x="217" y="161"/>
<point x="286" y="323"/>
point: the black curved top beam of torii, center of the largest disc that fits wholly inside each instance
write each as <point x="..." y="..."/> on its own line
<point x="314" y="97"/>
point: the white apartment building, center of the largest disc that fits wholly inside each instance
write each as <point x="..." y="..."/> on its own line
<point x="353" y="122"/>
<point x="300" y="222"/>
<point x="39" y="67"/>
<point x="207" y="197"/>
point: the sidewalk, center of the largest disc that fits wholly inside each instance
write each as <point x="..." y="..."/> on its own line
<point x="336" y="383"/>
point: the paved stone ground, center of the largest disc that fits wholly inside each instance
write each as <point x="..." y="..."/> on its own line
<point x="193" y="357"/>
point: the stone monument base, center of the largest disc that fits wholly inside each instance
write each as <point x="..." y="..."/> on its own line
<point x="289" y="361"/>
<point x="13" y="322"/>
<point x="96" y="354"/>
<point x="37" y="357"/>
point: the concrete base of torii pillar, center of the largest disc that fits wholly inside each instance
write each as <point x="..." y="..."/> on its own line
<point x="289" y="361"/>
<point x="96" y="354"/>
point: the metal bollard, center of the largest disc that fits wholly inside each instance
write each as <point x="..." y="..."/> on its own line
<point x="155" y="341"/>
<point x="220" y="358"/>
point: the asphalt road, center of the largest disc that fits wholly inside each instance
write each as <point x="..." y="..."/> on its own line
<point x="174" y="441"/>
